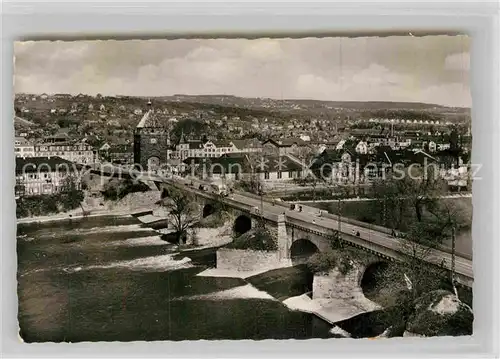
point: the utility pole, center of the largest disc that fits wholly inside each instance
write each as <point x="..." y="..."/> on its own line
<point x="384" y="204"/>
<point x="261" y="192"/>
<point x="453" y="258"/>
<point x="339" y="214"/>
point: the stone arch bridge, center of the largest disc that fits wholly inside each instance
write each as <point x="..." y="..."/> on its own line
<point x="319" y="230"/>
<point x="290" y="228"/>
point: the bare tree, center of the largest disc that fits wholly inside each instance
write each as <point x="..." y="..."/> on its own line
<point x="404" y="198"/>
<point x="448" y="218"/>
<point x="182" y="213"/>
<point x="414" y="204"/>
<point x="252" y="182"/>
<point x="422" y="239"/>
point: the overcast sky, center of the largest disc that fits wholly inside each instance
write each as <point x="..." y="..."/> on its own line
<point x="433" y="69"/>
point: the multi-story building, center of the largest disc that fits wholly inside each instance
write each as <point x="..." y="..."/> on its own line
<point x="197" y="148"/>
<point x="43" y="175"/>
<point x="236" y="166"/>
<point x="23" y="148"/>
<point x="63" y="146"/>
<point x="121" y="154"/>
<point x="247" y="145"/>
<point x="282" y="147"/>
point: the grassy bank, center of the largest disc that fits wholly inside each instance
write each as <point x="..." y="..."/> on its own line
<point x="366" y="211"/>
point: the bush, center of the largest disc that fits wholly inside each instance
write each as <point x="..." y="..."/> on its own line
<point x="214" y="220"/>
<point x="43" y="205"/>
<point x="345" y="266"/>
<point x="322" y="262"/>
<point x="427" y="322"/>
<point x="116" y="190"/>
<point x="257" y="240"/>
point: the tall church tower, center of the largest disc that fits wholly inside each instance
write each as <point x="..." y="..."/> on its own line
<point x="151" y="140"/>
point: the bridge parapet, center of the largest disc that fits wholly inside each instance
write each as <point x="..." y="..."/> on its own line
<point x="279" y="225"/>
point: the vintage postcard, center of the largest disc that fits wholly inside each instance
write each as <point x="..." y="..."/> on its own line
<point x="243" y="188"/>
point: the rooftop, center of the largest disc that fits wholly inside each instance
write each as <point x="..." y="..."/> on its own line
<point x="44" y="164"/>
<point x="151" y="120"/>
<point x="286" y="142"/>
<point x="21" y="141"/>
<point x="277" y="164"/>
<point x="247" y="143"/>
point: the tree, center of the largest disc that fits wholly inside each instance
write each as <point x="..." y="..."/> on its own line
<point x="421" y="240"/>
<point x="403" y="197"/>
<point x="72" y="193"/>
<point x="253" y="182"/>
<point x="448" y="218"/>
<point x="414" y="204"/>
<point x="182" y="213"/>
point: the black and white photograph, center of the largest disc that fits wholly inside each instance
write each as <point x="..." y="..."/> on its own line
<point x="244" y="189"/>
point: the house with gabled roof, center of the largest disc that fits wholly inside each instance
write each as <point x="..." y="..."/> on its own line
<point x="284" y="146"/>
<point x="247" y="145"/>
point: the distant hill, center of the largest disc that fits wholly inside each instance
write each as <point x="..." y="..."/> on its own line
<point x="57" y="109"/>
<point x="306" y="103"/>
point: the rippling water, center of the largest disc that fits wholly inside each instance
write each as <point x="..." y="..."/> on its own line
<point x="111" y="279"/>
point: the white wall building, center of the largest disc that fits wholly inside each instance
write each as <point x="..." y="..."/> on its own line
<point x="23" y="148"/>
<point x="362" y="147"/>
<point x="197" y="148"/>
<point x="43" y="175"/>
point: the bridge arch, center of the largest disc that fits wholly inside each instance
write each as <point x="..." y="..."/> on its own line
<point x="302" y="249"/>
<point x="208" y="209"/>
<point x="242" y="224"/>
<point x="372" y="276"/>
<point x="164" y="193"/>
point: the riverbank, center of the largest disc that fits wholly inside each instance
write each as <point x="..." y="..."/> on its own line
<point x="97" y="206"/>
<point x="77" y="214"/>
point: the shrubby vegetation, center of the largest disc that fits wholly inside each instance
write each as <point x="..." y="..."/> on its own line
<point x="322" y="262"/>
<point x="116" y="190"/>
<point x="258" y="239"/>
<point x="427" y="320"/>
<point x="342" y="258"/>
<point x="215" y="220"/>
<point x="248" y="185"/>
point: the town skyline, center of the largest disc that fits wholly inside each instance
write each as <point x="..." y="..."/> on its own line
<point x="161" y="97"/>
<point x="347" y="216"/>
<point x="430" y="69"/>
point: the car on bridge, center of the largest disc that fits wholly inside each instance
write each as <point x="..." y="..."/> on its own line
<point x="219" y="189"/>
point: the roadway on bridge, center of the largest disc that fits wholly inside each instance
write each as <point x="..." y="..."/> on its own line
<point x="310" y="214"/>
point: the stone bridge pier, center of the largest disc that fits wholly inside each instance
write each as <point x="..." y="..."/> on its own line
<point x="343" y="285"/>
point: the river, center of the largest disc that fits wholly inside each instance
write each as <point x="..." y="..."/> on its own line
<point x="111" y="279"/>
